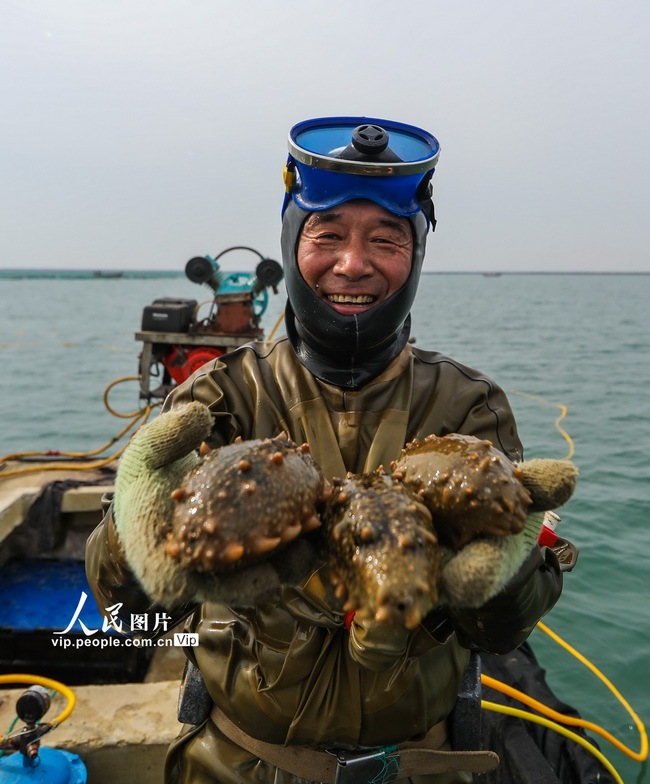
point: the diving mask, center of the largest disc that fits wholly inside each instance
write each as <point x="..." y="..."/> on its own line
<point x="337" y="159"/>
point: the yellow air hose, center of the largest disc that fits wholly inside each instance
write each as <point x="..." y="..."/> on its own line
<point x="276" y="326"/>
<point x="520" y="714"/>
<point x="639" y="756"/>
<point x="555" y="720"/>
<point x="137" y="418"/>
<point x="563" y="412"/>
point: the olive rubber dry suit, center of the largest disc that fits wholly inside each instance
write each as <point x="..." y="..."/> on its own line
<point x="290" y="672"/>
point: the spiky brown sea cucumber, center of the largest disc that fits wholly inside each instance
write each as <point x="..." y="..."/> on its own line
<point x="470" y="487"/>
<point x="381" y="550"/>
<point x="244" y="501"/>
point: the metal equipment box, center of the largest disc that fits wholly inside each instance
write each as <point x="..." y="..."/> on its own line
<point x="168" y="315"/>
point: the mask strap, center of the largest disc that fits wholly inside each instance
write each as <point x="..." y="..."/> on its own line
<point x="289" y="177"/>
<point x="425" y="197"/>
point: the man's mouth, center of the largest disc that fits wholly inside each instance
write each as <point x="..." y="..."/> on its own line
<point x="348" y="299"/>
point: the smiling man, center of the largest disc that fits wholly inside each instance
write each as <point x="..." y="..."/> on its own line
<point x="293" y="671"/>
<point x="337" y="176"/>
<point x="355" y="255"/>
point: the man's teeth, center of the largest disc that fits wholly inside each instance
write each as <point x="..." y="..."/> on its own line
<point x="346" y="299"/>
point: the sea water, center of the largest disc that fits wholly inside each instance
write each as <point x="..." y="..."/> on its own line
<point x="572" y="352"/>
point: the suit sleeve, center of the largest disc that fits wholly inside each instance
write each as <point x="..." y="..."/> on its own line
<point x="504" y="622"/>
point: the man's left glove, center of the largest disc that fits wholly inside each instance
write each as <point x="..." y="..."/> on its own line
<point x="478" y="572"/>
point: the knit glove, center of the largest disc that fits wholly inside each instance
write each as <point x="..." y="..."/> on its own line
<point x="155" y="462"/>
<point x="479" y="570"/>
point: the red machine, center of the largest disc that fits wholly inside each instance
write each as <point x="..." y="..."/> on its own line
<point x="176" y="342"/>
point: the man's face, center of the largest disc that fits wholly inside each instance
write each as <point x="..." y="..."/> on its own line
<point x="355" y="255"/>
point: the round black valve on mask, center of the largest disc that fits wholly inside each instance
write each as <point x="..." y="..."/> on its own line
<point x="369" y="143"/>
<point x="369" y="139"/>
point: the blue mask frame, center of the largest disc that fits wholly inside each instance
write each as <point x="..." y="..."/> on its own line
<point x="324" y="170"/>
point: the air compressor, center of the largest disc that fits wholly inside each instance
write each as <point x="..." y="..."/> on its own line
<point x="176" y="342"/>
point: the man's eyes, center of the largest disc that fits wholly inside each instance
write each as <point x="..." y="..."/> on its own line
<point x="385" y="240"/>
<point x="340" y="237"/>
<point x="329" y="235"/>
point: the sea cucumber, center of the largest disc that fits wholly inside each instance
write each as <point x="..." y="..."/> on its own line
<point x="244" y="501"/>
<point x="381" y="550"/>
<point x="470" y="488"/>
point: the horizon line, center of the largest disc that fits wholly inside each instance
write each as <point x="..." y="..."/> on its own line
<point x="180" y="273"/>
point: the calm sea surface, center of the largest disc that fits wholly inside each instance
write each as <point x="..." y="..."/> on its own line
<point x="578" y="341"/>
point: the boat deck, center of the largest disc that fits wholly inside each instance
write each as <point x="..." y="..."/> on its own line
<point x="80" y="500"/>
<point x="120" y="730"/>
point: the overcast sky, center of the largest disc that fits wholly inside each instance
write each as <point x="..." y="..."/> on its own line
<point x="138" y="133"/>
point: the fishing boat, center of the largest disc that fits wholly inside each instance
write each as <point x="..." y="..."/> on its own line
<point x="53" y="640"/>
<point x="56" y="646"/>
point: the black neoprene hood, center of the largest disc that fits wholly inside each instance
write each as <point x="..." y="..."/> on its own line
<point x="346" y="351"/>
<point x="337" y="160"/>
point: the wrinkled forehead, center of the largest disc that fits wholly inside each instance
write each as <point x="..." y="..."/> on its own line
<point x="360" y="212"/>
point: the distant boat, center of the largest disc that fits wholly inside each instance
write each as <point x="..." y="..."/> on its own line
<point x="107" y="274"/>
<point x="491" y="274"/>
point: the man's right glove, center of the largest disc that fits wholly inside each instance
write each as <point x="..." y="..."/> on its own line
<point x="156" y="461"/>
<point x="153" y="464"/>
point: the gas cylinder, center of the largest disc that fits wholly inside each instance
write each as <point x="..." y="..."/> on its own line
<point x="51" y="766"/>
